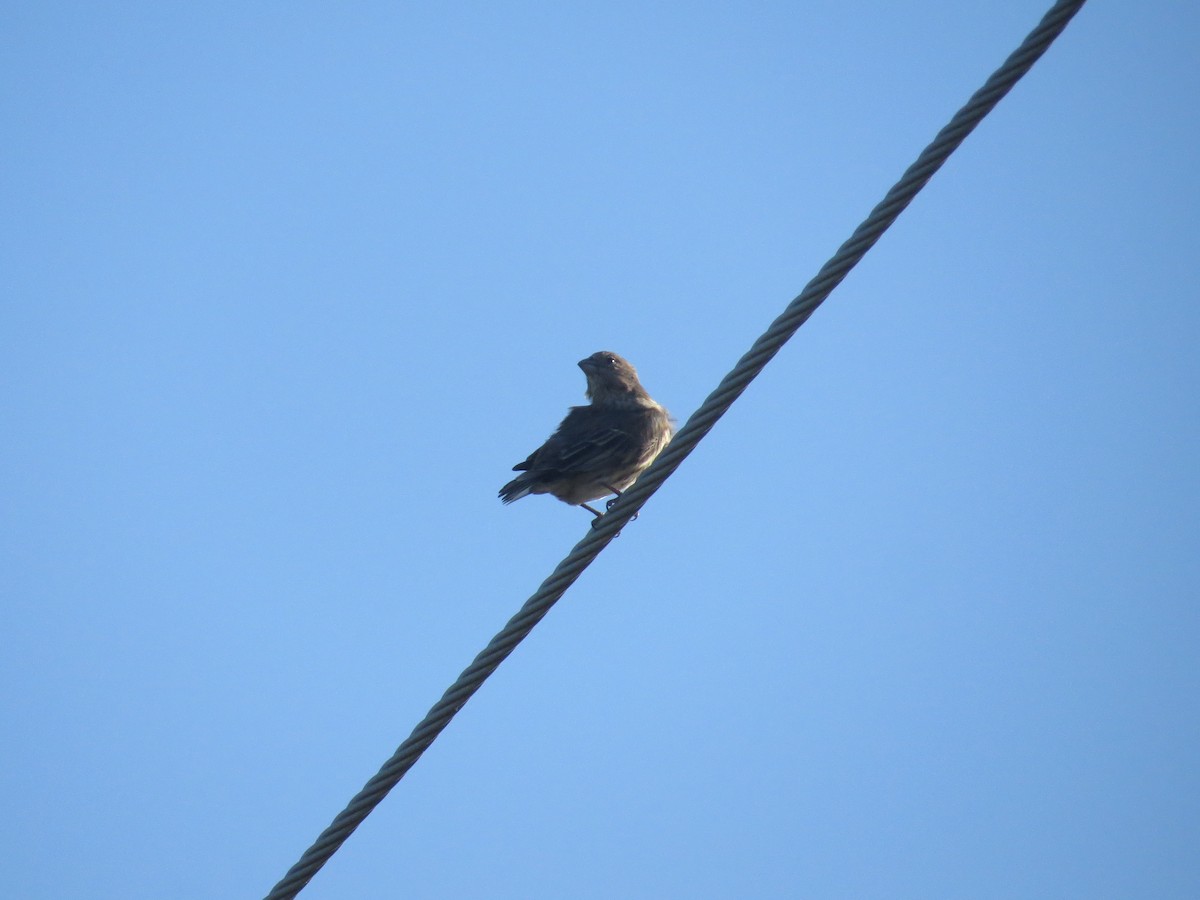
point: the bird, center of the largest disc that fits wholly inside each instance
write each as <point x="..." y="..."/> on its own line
<point x="601" y="448"/>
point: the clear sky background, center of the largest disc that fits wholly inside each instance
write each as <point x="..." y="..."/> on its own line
<point x="288" y="288"/>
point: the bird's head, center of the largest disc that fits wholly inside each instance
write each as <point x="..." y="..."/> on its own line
<point x="610" y="378"/>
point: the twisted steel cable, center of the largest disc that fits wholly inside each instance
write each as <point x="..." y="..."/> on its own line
<point x="696" y="427"/>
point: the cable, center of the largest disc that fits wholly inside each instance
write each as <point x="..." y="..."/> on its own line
<point x="697" y="426"/>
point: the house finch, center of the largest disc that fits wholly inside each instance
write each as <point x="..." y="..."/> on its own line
<point x="599" y="449"/>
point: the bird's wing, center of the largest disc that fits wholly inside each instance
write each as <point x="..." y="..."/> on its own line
<point x="587" y="440"/>
<point x="529" y="461"/>
<point x="597" y="451"/>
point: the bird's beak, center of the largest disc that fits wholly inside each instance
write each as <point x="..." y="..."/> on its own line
<point x="586" y="364"/>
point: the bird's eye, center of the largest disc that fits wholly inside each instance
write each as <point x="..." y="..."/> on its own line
<point x="611" y="360"/>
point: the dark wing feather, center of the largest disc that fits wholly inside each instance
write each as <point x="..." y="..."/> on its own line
<point x="600" y="450"/>
<point x="588" y="440"/>
<point x="528" y="464"/>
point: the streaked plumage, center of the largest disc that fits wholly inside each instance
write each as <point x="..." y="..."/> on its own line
<point x="599" y="449"/>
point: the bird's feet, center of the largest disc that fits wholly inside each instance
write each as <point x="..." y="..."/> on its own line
<point x="610" y="503"/>
<point x="607" y="506"/>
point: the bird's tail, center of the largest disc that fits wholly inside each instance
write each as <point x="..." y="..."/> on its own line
<point x="515" y="489"/>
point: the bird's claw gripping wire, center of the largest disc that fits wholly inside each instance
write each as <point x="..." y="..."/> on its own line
<point x="607" y="507"/>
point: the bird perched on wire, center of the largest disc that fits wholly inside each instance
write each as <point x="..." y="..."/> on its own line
<point x="598" y="449"/>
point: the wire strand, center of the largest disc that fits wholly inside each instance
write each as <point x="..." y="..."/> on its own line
<point x="696" y="427"/>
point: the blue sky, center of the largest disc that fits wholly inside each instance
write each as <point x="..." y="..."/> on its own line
<point x="288" y="288"/>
